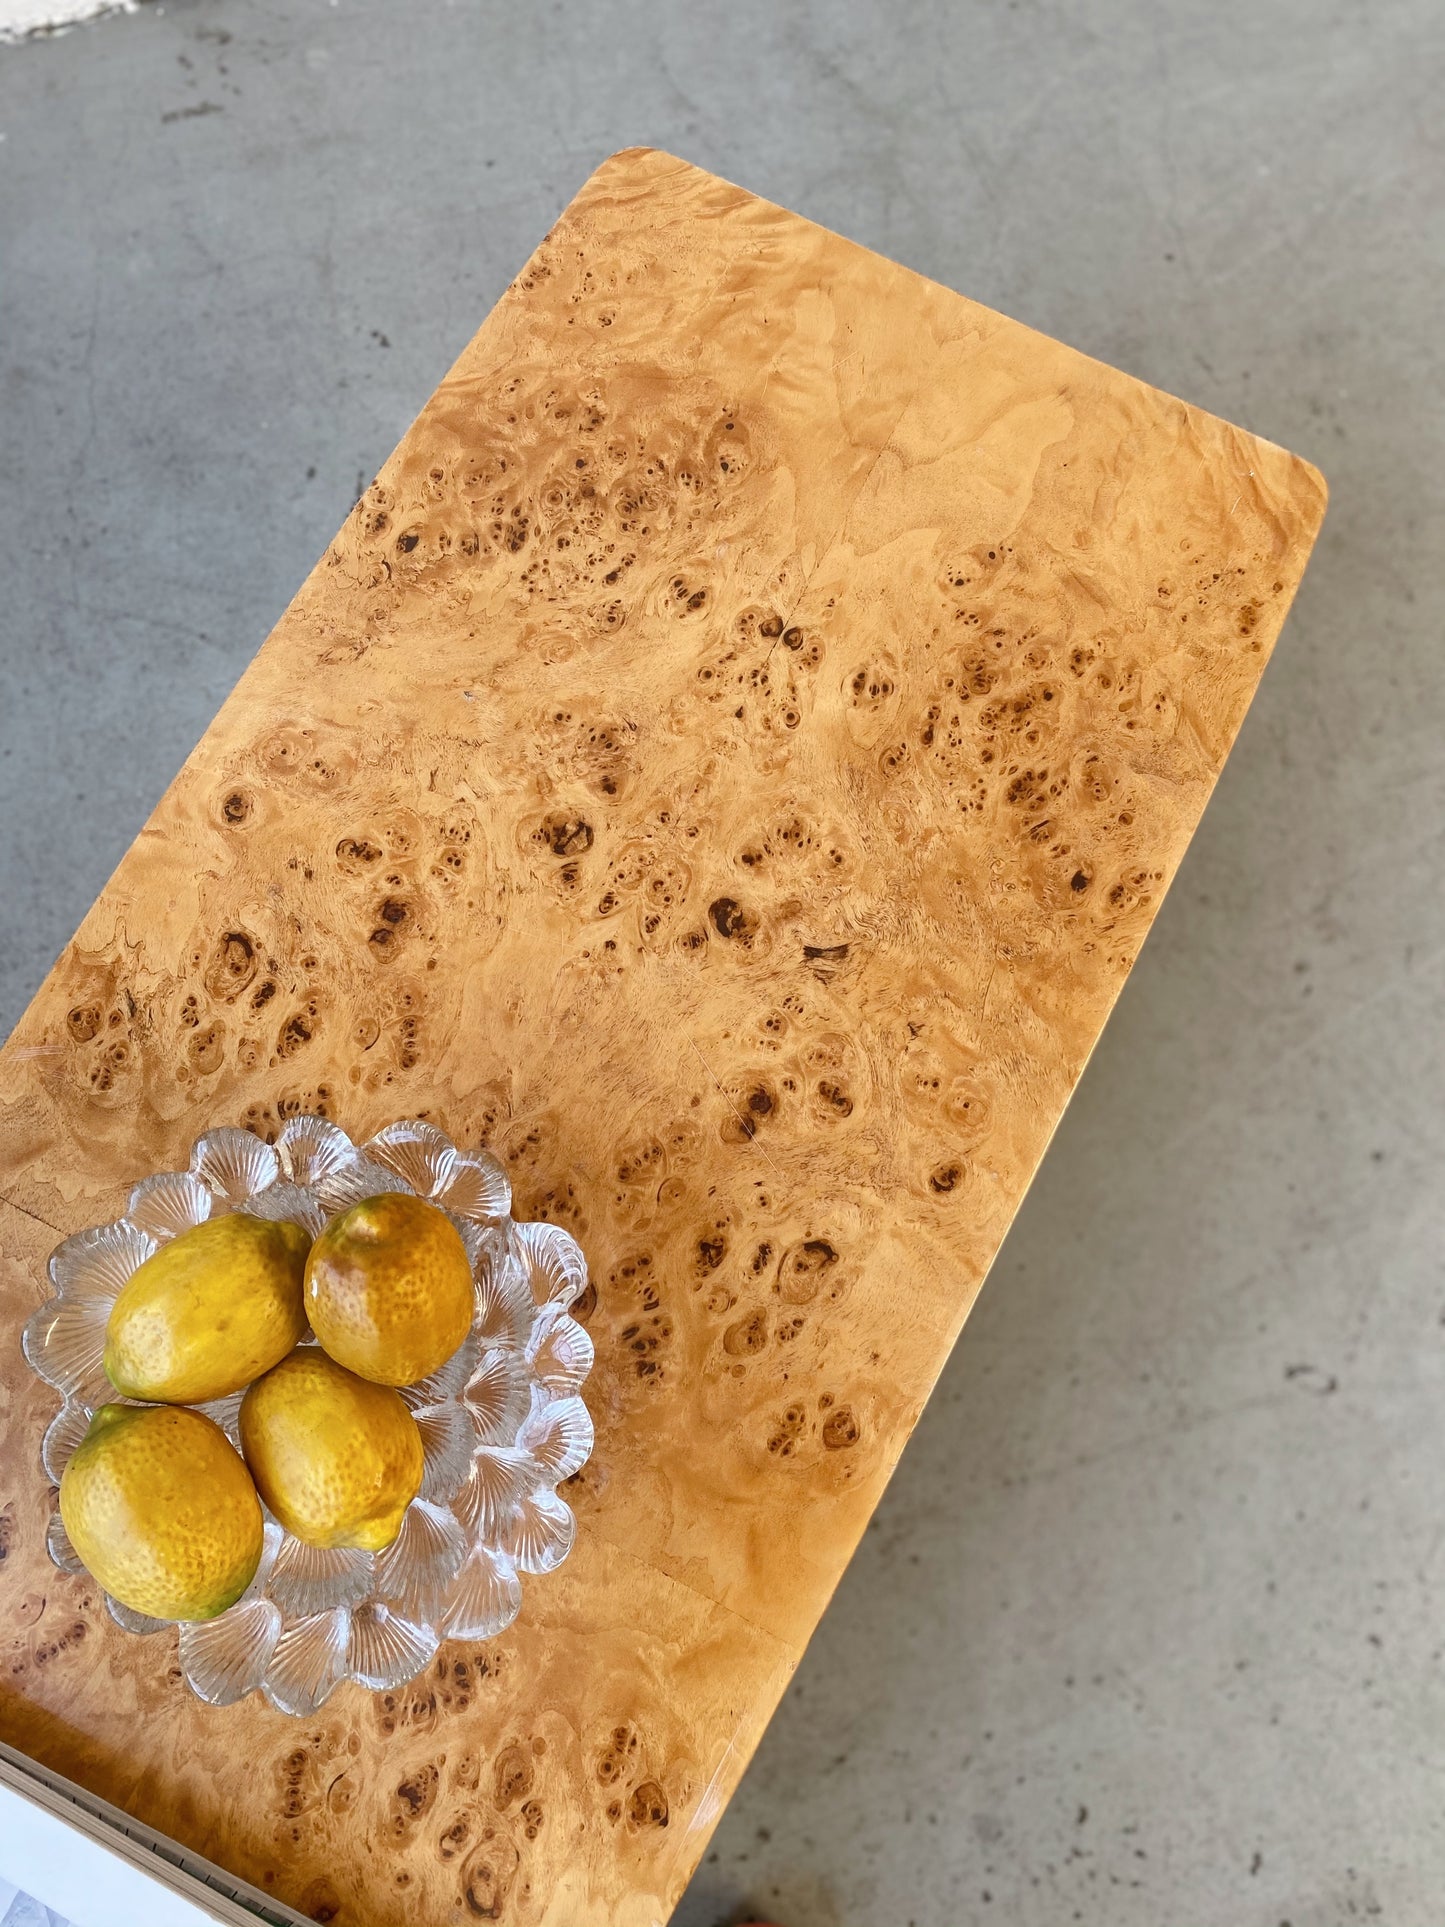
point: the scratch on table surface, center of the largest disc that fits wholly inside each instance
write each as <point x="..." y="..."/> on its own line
<point x="750" y="1130"/>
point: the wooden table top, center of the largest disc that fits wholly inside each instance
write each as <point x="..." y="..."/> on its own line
<point x="728" y="763"/>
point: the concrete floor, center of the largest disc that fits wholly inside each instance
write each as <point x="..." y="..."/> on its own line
<point x="1147" y="1630"/>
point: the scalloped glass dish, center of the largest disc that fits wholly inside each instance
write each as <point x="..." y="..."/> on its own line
<point x="502" y="1422"/>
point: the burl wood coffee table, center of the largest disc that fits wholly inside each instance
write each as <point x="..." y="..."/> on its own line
<point x="728" y="763"/>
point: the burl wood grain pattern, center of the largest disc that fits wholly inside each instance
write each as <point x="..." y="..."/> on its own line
<point x="728" y="762"/>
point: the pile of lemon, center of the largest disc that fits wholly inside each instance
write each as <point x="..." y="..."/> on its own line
<point x="156" y="1500"/>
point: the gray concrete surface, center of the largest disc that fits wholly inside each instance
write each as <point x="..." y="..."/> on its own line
<point x="1150" y="1630"/>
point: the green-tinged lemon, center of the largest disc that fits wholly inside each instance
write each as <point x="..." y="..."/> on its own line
<point x="160" y="1507"/>
<point x="337" y="1458"/>
<point x="208" y="1311"/>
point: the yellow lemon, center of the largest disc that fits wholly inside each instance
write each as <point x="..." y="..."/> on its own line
<point x="208" y="1311"/>
<point x="337" y="1458"/>
<point x="161" y="1509"/>
<point x="389" y="1288"/>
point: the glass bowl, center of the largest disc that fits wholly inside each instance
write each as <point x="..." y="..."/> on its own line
<point x="502" y="1422"/>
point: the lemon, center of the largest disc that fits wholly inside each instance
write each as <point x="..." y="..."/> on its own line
<point x="162" y="1511"/>
<point x="208" y="1311"/>
<point x="337" y="1458"/>
<point x="389" y="1288"/>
